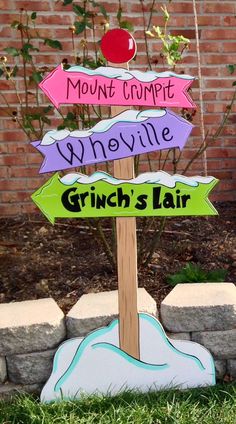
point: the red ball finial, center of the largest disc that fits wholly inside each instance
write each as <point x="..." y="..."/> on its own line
<point x="118" y="46"/>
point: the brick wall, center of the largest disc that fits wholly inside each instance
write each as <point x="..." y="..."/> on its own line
<point x="19" y="162"/>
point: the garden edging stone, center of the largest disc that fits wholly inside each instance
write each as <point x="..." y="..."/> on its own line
<point x="200" y="307"/>
<point x="30" y="368"/>
<point x="96" y="310"/>
<point x="231" y="368"/>
<point x="30" y="326"/>
<point x="222" y="344"/>
<point x="220" y="367"/>
<point x="31" y="331"/>
<point x="3" y="369"/>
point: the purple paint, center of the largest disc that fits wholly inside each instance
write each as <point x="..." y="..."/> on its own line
<point x="120" y="140"/>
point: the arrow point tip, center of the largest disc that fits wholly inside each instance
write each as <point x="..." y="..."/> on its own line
<point x="51" y="219"/>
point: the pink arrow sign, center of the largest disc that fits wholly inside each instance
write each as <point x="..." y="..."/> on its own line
<point x="117" y="86"/>
<point x="127" y="134"/>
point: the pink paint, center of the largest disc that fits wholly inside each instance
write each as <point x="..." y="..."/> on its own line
<point x="90" y="87"/>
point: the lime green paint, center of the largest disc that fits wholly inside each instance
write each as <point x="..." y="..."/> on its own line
<point x="182" y="200"/>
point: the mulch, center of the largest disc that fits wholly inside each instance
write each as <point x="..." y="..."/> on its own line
<point x="64" y="261"/>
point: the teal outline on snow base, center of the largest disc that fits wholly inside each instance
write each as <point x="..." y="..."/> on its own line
<point x="137" y="362"/>
<point x="96" y="333"/>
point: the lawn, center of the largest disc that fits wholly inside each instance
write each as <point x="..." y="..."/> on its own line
<point x="214" y="405"/>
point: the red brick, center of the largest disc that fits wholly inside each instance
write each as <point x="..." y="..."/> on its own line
<point x="10" y="209"/>
<point x="229" y="20"/>
<point x="7" y="18"/>
<point x="12" y="184"/>
<point x="5" y="31"/>
<point x="218" y="83"/>
<point x="219" y="34"/>
<point x="228" y="47"/>
<point x="3" y="172"/>
<point x="219" y="7"/>
<point x="55" y="19"/>
<point x="210" y="47"/>
<point x="15" y="196"/>
<point x="182" y="7"/>
<point x="32" y="5"/>
<point x="22" y="171"/>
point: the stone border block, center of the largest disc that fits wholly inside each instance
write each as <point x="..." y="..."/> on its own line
<point x="179" y="336"/>
<point x="231" y="368"/>
<point x="8" y="390"/>
<point x="222" y="344"/>
<point x="220" y="367"/>
<point x="30" y="368"/>
<point x="30" y="326"/>
<point x="96" y="310"/>
<point x="3" y="369"/>
<point x="200" y="307"/>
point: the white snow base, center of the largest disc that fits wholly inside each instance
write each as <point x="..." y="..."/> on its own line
<point x="96" y="364"/>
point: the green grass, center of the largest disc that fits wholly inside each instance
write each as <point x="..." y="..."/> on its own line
<point x="201" y="406"/>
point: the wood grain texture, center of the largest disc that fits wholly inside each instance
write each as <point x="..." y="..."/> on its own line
<point x="126" y="259"/>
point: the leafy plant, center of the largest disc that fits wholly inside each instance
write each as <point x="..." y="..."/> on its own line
<point x="193" y="273"/>
<point x="173" y="46"/>
<point x="30" y="119"/>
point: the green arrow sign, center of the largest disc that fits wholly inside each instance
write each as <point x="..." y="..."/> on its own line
<point x="101" y="195"/>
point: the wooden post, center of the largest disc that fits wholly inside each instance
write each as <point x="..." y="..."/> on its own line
<point x="126" y="259"/>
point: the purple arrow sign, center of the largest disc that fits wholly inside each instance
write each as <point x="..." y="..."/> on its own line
<point x="127" y="134"/>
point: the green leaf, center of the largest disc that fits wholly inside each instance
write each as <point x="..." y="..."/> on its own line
<point x="27" y="46"/>
<point x="234" y="83"/>
<point x="47" y="108"/>
<point x="119" y="14"/>
<point x="90" y="63"/>
<point x="231" y="68"/>
<point x="157" y="29"/>
<point x="94" y="3"/>
<point x="37" y="77"/>
<point x="88" y="24"/>
<point x="33" y="16"/>
<point x="103" y="11"/>
<point x="46" y="120"/>
<point x="54" y="44"/>
<point x="166" y="13"/>
<point x="79" y="27"/>
<point x="70" y="116"/>
<point x="61" y="127"/>
<point x="1" y="72"/>
<point x="217" y="275"/>
<point x="66" y="2"/>
<point x="26" y="56"/>
<point x="33" y="117"/>
<point x="78" y="10"/>
<point x="191" y="273"/>
<point x="15" y="70"/>
<point x="12" y="51"/>
<point x="127" y="25"/>
<point x="16" y="24"/>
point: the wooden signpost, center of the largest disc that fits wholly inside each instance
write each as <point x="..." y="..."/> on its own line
<point x="124" y="196"/>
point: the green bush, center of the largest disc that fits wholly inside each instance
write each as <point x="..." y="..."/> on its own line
<point x="193" y="273"/>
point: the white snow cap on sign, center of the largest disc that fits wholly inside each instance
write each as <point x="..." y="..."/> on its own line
<point x="125" y="75"/>
<point x="159" y="177"/>
<point x="131" y="116"/>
